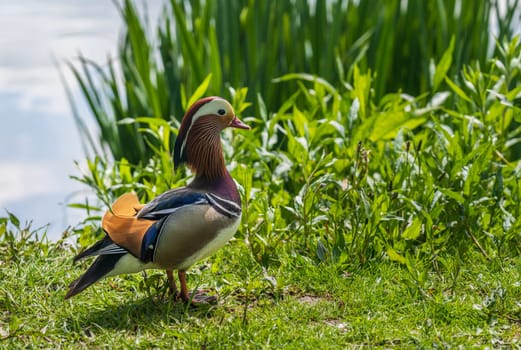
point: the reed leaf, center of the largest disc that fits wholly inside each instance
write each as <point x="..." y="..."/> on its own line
<point x="249" y="43"/>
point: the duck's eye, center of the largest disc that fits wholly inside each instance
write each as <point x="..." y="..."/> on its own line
<point x="221" y="112"/>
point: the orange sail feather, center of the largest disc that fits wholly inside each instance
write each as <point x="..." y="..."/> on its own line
<point x="122" y="225"/>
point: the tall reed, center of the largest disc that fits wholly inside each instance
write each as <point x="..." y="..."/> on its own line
<point x="249" y="43"/>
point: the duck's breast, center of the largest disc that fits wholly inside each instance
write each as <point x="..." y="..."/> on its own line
<point x="192" y="233"/>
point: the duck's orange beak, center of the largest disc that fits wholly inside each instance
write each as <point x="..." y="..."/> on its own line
<point x="236" y="123"/>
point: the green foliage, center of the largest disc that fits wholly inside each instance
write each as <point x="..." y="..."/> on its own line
<point x="403" y="177"/>
<point x="250" y="43"/>
<point x="342" y="177"/>
<point x="19" y="241"/>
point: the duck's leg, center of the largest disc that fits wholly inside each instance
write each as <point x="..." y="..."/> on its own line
<point x="199" y="297"/>
<point x="172" y="286"/>
<point x="184" y="288"/>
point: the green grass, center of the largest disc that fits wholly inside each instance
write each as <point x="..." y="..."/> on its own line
<point x="300" y="304"/>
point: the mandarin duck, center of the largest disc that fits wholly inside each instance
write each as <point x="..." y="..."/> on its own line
<point x="182" y="225"/>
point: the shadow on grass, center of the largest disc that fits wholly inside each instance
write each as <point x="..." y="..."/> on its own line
<point x="146" y="312"/>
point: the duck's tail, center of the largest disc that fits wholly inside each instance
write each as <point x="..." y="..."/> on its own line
<point x="119" y="251"/>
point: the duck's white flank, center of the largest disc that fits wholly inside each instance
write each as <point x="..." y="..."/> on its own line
<point x="130" y="264"/>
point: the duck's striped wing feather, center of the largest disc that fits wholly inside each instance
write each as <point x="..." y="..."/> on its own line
<point x="170" y="201"/>
<point x="103" y="247"/>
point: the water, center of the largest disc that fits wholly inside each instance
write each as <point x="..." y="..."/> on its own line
<point x="38" y="138"/>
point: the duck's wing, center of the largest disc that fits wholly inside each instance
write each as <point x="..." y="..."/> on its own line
<point x="170" y="201"/>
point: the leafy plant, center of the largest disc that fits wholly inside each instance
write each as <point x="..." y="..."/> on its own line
<point x="251" y="43"/>
<point x="340" y="176"/>
<point x="19" y="241"/>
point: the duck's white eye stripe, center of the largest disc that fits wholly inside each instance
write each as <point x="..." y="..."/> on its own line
<point x="210" y="108"/>
<point x="217" y="104"/>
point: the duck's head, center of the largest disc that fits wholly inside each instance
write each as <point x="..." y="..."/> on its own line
<point x="198" y="142"/>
